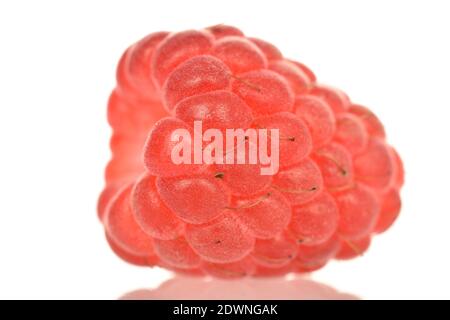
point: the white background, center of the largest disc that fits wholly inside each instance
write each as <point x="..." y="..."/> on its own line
<point x="57" y="67"/>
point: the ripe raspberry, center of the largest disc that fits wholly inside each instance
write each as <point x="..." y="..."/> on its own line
<point x="337" y="186"/>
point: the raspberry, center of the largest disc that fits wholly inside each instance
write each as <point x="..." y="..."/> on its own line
<point x="223" y="240"/>
<point x="359" y="210"/>
<point x="318" y="116"/>
<point x="270" y="51"/>
<point x="239" y="54"/>
<point x="198" y="75"/>
<point x="313" y="257"/>
<point x="295" y="143"/>
<point x="150" y="212"/>
<point x="238" y="269"/>
<point x="311" y="76"/>
<point x="277" y="252"/>
<point x="316" y="221"/>
<point x="264" y="91"/>
<point x="373" y="125"/>
<point x="221" y="30"/>
<point x="217" y="109"/>
<point x="337" y="185"/>
<point x="158" y="149"/>
<point x="375" y="165"/>
<point x="350" y="133"/>
<point x="177" y="253"/>
<point x="352" y="248"/>
<point x="243" y="179"/>
<point x="133" y="71"/>
<point x="297" y="79"/>
<point x="194" y="199"/>
<point x="177" y="48"/>
<point x="398" y="174"/>
<point x="390" y="205"/>
<point x="299" y="183"/>
<point x="335" y="163"/>
<point x="123" y="230"/>
<point x="336" y="99"/>
<point x="266" y="215"/>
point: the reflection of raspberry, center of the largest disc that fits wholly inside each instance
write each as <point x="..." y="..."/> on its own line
<point x="338" y="183"/>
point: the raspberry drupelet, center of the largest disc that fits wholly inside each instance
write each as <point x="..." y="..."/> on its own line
<point x="337" y="186"/>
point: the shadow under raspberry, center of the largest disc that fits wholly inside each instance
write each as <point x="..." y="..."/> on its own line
<point x="281" y="288"/>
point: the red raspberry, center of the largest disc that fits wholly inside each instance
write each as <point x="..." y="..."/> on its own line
<point x="338" y="182"/>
